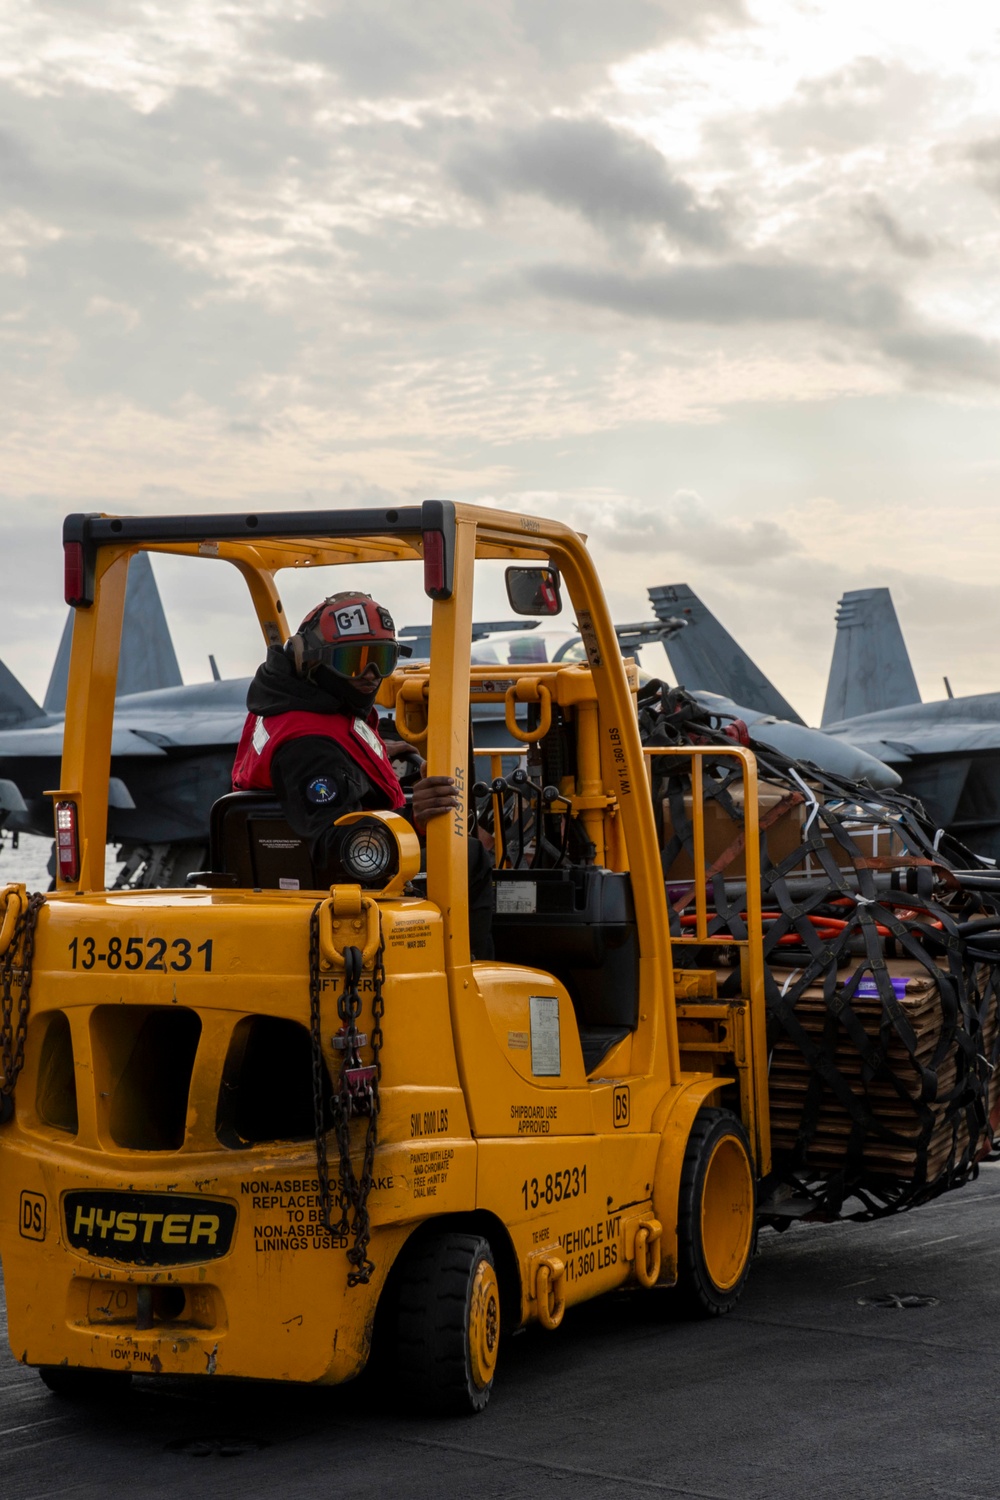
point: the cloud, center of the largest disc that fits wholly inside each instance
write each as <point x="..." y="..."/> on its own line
<point x="733" y="293"/>
<point x="851" y="108"/>
<point x="66" y="174"/>
<point x="985" y="156"/>
<point x="131" y="320"/>
<point x="382" y="49"/>
<point x="680" y="524"/>
<point x="611" y="177"/>
<point x="775" y="293"/>
<point x="89" y="159"/>
<point x="565" y="32"/>
<point x="937" y="354"/>
<point x="874" y="213"/>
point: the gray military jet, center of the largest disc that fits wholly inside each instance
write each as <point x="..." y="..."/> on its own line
<point x="171" y="749"/>
<point x="947" y="752"/>
<point x="172" y="745"/>
<point x="717" y="672"/>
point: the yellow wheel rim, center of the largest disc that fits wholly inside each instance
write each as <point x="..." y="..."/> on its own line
<point x="484" y="1325"/>
<point x="727" y="1213"/>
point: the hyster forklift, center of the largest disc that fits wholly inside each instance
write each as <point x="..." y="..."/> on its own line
<point x="251" y="1126"/>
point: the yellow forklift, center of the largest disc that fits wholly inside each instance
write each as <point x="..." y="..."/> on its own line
<point x="251" y="1124"/>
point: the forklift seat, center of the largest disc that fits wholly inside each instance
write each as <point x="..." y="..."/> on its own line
<point x="253" y="846"/>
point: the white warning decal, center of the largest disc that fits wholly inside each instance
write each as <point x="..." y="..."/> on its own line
<point x="517" y="896"/>
<point x="544" y="1011"/>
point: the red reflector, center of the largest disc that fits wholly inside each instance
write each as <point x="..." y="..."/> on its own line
<point x="73" y="572"/>
<point x="67" y="842"/>
<point x="434" y="584"/>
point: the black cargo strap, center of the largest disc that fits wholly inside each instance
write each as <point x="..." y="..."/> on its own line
<point x="954" y="935"/>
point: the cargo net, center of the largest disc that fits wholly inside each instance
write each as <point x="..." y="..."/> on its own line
<point x="881" y="961"/>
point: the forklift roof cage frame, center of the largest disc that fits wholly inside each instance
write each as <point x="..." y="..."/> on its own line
<point x="448" y="539"/>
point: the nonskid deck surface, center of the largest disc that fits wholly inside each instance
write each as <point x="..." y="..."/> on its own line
<point x="810" y="1387"/>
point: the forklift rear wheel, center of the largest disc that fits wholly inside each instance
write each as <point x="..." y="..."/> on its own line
<point x="448" y="1330"/>
<point x="84" y="1385"/>
<point x="717" y="1211"/>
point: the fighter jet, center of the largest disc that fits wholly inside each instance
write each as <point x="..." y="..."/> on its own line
<point x="706" y="661"/>
<point x="172" y="745"/>
<point x="947" y="752"/>
<point x="171" y="749"/>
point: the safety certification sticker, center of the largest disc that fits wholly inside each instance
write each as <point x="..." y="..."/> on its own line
<point x="517" y="896"/>
<point x="544" y="1010"/>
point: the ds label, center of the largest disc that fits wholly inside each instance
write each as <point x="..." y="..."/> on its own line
<point x="33" y="1216"/>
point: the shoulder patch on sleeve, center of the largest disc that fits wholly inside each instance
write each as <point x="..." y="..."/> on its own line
<point x="321" y="790"/>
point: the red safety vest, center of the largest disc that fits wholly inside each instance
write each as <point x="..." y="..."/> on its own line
<point x="359" y="737"/>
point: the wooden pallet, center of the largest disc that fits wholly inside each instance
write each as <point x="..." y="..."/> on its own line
<point x="894" y="1109"/>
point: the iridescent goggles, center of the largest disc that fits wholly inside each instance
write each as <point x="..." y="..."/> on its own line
<point x="351" y="660"/>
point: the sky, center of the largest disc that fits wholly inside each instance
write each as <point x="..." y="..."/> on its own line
<point x="718" y="284"/>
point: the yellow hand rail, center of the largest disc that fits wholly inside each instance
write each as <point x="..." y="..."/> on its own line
<point x="405" y="699"/>
<point x="513" y="696"/>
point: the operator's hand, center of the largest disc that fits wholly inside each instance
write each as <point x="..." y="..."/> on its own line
<point x="432" y="796"/>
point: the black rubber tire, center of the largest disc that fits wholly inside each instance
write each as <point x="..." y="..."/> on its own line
<point x="697" y="1293"/>
<point x="84" y="1385"/>
<point x="434" y="1358"/>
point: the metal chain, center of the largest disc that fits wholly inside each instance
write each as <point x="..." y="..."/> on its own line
<point x="339" y="1230"/>
<point x="357" y="1094"/>
<point x="15" y="967"/>
<point x="358" y="1254"/>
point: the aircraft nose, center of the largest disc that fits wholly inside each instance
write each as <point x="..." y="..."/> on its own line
<point x="828" y="751"/>
<point x="10" y="797"/>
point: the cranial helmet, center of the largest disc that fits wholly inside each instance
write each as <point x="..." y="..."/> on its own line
<point x="339" y="642"/>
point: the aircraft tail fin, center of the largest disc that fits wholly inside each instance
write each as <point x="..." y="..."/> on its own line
<point x="870" y="670"/>
<point x="704" y="656"/>
<point x="17" y="705"/>
<point x="147" y="660"/>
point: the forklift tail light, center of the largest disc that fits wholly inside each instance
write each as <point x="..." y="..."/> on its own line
<point x="435" y="584"/>
<point x="67" y="841"/>
<point x="73" y="582"/>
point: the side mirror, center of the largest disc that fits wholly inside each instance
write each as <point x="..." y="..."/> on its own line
<point x="533" y="591"/>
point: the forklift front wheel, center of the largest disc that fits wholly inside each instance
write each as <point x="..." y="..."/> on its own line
<point x="448" y="1331"/>
<point x="84" y="1385"/>
<point x="717" y="1210"/>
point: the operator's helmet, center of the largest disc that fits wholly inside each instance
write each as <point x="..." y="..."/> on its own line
<point x="346" y="645"/>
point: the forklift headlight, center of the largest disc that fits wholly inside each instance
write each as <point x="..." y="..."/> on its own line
<point x="368" y="853"/>
<point x="377" y="851"/>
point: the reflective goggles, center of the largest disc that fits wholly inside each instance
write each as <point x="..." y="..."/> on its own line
<point x="351" y="660"/>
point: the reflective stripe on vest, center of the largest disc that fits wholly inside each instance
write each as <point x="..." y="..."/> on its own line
<point x="360" y="738"/>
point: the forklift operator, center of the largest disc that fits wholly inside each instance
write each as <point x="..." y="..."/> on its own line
<point x="312" y="737"/>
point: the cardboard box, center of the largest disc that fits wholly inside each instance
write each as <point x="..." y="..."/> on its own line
<point x="874" y="841"/>
<point x="783" y="811"/>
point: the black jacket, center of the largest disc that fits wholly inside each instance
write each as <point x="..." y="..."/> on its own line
<point x="317" y="782"/>
<point x="314" y="777"/>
